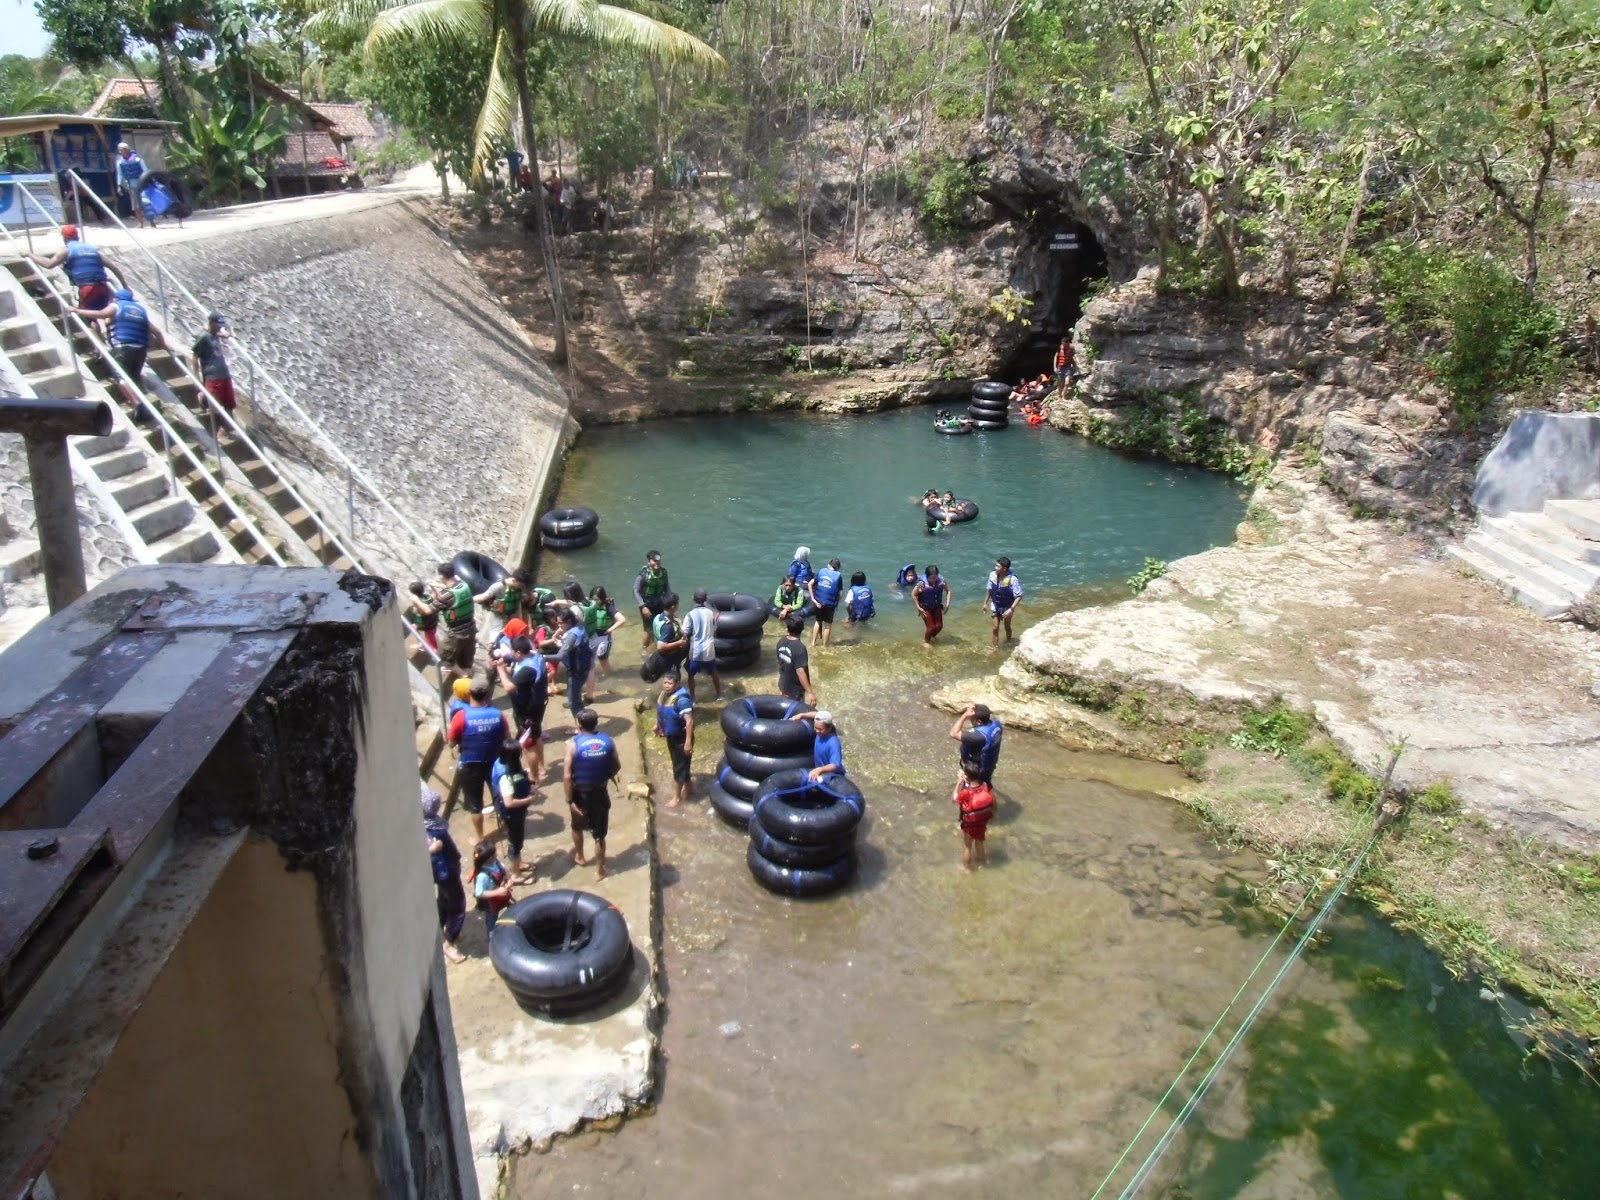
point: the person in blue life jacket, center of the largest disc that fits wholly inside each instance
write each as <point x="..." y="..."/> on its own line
<point x="528" y="684"/>
<point x="130" y="170"/>
<point x="906" y="579"/>
<point x="591" y="763"/>
<point x="800" y="567"/>
<point x="1002" y="594"/>
<point x="827" y="755"/>
<point x="86" y="270"/>
<point x="824" y="588"/>
<point x="577" y="656"/>
<point x="130" y="330"/>
<point x="979" y="733"/>
<point x="444" y="859"/>
<point x="478" y="731"/>
<point x="675" y="723"/>
<point x="858" y="600"/>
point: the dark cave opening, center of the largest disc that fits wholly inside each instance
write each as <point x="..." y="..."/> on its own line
<point x="1069" y="258"/>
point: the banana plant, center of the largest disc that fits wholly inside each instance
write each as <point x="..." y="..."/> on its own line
<point x="221" y="148"/>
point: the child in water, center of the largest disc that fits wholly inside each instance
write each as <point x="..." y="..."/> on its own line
<point x="975" y="800"/>
<point x="858" y="600"/>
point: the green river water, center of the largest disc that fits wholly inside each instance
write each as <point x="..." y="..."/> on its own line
<point x="930" y="1033"/>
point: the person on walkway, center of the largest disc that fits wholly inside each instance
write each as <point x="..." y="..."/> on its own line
<point x="980" y="744"/>
<point x="509" y="599"/>
<point x="528" y="684"/>
<point x="130" y="169"/>
<point x="458" y="639"/>
<point x="675" y="722"/>
<point x="421" y="615"/>
<point x="591" y="763"/>
<point x="478" y="731"/>
<point x="827" y="755"/>
<point x="86" y="269"/>
<point x="602" y="619"/>
<point x="975" y="801"/>
<point x="1003" y="593"/>
<point x="932" y="595"/>
<point x="858" y="606"/>
<point x="491" y="885"/>
<point x="577" y="656"/>
<point x="514" y="792"/>
<point x="824" y="589"/>
<point x="449" y="896"/>
<point x="800" y="567"/>
<point x="794" y="663"/>
<point x="211" y="361"/>
<point x="650" y="591"/>
<point x="700" y="627"/>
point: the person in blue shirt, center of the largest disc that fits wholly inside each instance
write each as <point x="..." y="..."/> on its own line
<point x="980" y="744"/>
<point x="675" y="722"/>
<point x="824" y="588"/>
<point x="591" y="764"/>
<point x="130" y="169"/>
<point x="827" y="755"/>
<point x="800" y="568"/>
<point x="858" y="605"/>
<point x="449" y="896"/>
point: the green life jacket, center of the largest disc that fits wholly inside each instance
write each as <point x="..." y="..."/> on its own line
<point x="509" y="602"/>
<point x="665" y="628"/>
<point x="591" y="617"/>
<point x="795" y="600"/>
<point x="655" y="582"/>
<point x="459" y="611"/>
<point x="604" y="618"/>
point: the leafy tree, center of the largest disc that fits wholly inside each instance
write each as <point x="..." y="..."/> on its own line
<point x="434" y="87"/>
<point x="223" y="144"/>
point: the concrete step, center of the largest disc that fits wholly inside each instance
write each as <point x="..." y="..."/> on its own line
<point x="1582" y="517"/>
<point x="94" y="447"/>
<point x="162" y="518"/>
<point x="191" y="544"/>
<point x="1531" y="596"/>
<point x="17" y="332"/>
<point x="55" y="383"/>
<point x="1512" y="568"/>
<point x="37" y="357"/>
<point x="140" y="488"/>
<point x="1552" y="543"/>
<point x="120" y="462"/>
<point x="20" y="558"/>
<point x="8" y="304"/>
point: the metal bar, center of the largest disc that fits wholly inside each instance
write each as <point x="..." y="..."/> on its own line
<point x="56" y="513"/>
<point x="47" y="417"/>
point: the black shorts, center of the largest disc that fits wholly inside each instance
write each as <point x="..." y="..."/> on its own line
<point x="530" y="719"/>
<point x="824" y="613"/>
<point x="471" y="780"/>
<point x="594" y="811"/>
<point x="655" y="607"/>
<point x="680" y="757"/>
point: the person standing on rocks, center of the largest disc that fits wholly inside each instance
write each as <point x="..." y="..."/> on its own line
<point x="1063" y="366"/>
<point x="932" y="595"/>
<point x="701" y="628"/>
<point x="675" y="722"/>
<point x="458" y="637"/>
<point x="650" y="591"/>
<point x="449" y="896"/>
<point x="825" y="587"/>
<point x="211" y="362"/>
<point x="1003" y="593"/>
<point x="591" y="763"/>
<point x="794" y="663"/>
<point x="980" y="744"/>
<point x="478" y="731"/>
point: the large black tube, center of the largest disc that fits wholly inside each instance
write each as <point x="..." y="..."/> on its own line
<point x="562" y="951"/>
<point x="810" y="814"/>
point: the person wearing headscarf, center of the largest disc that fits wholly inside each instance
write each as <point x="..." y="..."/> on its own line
<point x="800" y="569"/>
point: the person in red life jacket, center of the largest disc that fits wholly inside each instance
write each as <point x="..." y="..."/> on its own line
<point x="491" y="884"/>
<point x="675" y="722"/>
<point x="591" y="764"/>
<point x="477" y="731"/>
<point x="975" y="800"/>
<point x="1063" y="364"/>
<point x="86" y="270"/>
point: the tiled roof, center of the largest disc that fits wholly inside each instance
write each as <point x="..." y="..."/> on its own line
<point x="351" y="119"/>
<point x="310" y="151"/>
<point x="122" y="88"/>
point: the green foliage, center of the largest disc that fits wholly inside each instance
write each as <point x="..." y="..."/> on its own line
<point x="1192" y="756"/>
<point x="950" y="185"/>
<point x="1011" y="306"/>
<point x="434" y="87"/>
<point x="1478" y="332"/>
<point x="1179" y="428"/>
<point x="1153" y="569"/>
<point x="220" y="148"/>
<point x="1438" y="799"/>
<point x="1278" y="731"/>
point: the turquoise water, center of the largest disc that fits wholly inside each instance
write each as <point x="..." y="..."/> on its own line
<point x="727" y="501"/>
<point x="1004" y="1034"/>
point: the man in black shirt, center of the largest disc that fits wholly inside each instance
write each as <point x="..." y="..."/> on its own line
<point x="794" y="663"/>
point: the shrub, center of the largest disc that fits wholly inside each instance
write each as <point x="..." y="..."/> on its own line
<point x="1153" y="569"/>
<point x="949" y="190"/>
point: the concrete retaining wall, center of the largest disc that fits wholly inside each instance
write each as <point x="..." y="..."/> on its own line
<point x="1543" y="456"/>
<point x="383" y="333"/>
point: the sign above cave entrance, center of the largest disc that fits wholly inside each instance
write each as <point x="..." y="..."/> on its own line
<point x="1064" y="241"/>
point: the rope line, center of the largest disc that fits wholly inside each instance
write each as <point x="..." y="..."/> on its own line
<point x="1222" y="1016"/>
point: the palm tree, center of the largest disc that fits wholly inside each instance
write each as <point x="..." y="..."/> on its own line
<point x="508" y="25"/>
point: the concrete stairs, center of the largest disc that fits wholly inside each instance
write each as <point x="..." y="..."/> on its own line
<point x="39" y="355"/>
<point x="1544" y="561"/>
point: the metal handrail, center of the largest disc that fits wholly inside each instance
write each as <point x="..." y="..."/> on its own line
<point x="355" y="472"/>
<point x="169" y="436"/>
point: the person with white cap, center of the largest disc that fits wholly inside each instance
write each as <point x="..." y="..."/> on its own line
<point x="130" y="169"/>
<point x="800" y="569"/>
<point x="827" y="755"/>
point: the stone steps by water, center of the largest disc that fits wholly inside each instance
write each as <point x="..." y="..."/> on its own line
<point x="1546" y="561"/>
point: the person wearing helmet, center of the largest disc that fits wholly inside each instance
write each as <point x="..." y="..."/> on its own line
<point x="86" y="270"/>
<point x="130" y="333"/>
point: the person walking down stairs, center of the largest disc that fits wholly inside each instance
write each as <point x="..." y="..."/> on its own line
<point x="211" y="362"/>
<point x="130" y="338"/>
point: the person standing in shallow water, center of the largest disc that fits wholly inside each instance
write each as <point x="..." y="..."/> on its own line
<point x="1003" y="594"/>
<point x="932" y="595"/>
<point x="975" y="800"/>
<point x="650" y="592"/>
<point x="980" y="745"/>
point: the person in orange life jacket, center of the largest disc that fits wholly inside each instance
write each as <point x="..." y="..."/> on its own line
<point x="478" y="731"/>
<point x="975" y="800"/>
<point x="1002" y="594"/>
<point x="130" y="331"/>
<point x="491" y="884"/>
<point x="86" y="270"/>
<point x="825" y="587"/>
<point x="528" y="684"/>
<point x="675" y="722"/>
<point x="513" y="793"/>
<point x="1063" y="364"/>
<point x="450" y="898"/>
<point x="980" y="745"/>
<point x="590" y="765"/>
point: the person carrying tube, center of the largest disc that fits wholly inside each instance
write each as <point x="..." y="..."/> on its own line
<point x="827" y="755"/>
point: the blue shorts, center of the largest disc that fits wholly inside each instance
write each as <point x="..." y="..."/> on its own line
<point x="696" y="665"/>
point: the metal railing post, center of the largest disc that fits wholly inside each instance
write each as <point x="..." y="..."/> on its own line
<point x="350" y="498"/>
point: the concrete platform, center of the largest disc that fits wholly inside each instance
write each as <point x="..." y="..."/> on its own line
<point x="527" y="1078"/>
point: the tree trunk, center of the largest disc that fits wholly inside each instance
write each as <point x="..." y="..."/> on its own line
<point x="541" y="210"/>
<point x="443" y="167"/>
<point x="1357" y="207"/>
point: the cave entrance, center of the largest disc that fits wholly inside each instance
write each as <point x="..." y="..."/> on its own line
<point x="1069" y="259"/>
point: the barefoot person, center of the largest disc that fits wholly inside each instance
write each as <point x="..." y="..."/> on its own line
<point x="932" y="595"/>
<point x="980" y="744"/>
<point x="827" y="754"/>
<point x="975" y="799"/>
<point x="591" y="764"/>
<point x="650" y="592"/>
<point x="478" y="731"/>
<point x="1004" y="593"/>
<point x="675" y="722"/>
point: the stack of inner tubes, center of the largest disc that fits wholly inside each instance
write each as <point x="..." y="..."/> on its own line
<point x="569" y="528"/>
<point x="803" y="834"/>
<point x="760" y="740"/>
<point x="991" y="401"/>
<point x="478" y="571"/>
<point x="562" y="951"/>
<point x="740" y="618"/>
